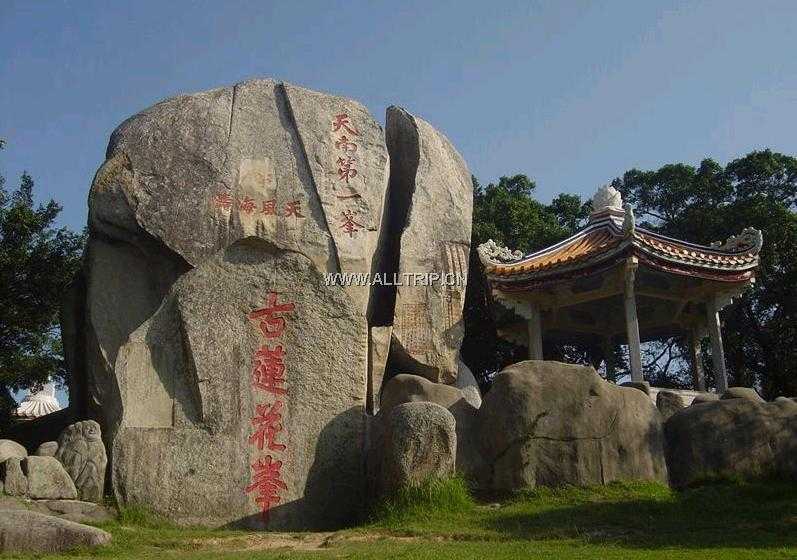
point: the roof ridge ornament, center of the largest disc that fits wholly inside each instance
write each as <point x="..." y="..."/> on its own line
<point x="629" y="222"/>
<point x="607" y="198"/>
<point x="750" y="239"/>
<point x="492" y="253"/>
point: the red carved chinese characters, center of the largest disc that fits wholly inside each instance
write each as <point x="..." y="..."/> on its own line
<point x="345" y="145"/>
<point x="346" y="162"/>
<point x="266" y="483"/>
<point x="268" y="424"/>
<point x="346" y="168"/>
<point x="292" y="209"/>
<point x="342" y="121"/>
<point x="268" y="377"/>
<point x="348" y="224"/>
<point x="270" y="325"/>
<point x="268" y="371"/>
<point x="222" y="200"/>
<point x="247" y="205"/>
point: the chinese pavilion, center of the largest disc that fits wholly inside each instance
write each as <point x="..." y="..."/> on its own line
<point x="615" y="283"/>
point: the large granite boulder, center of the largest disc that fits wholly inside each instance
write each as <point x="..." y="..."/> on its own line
<point x="732" y="438"/>
<point x="28" y="531"/>
<point x="549" y="423"/>
<point x="81" y="450"/>
<point x="47" y="479"/>
<point x="10" y="449"/>
<point x="15" y="483"/>
<point x="244" y="397"/>
<point x="415" y="442"/>
<point x="431" y="203"/>
<point x="233" y="202"/>
<point x="194" y="174"/>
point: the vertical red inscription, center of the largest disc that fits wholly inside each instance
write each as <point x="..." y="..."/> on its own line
<point x="268" y="376"/>
<point x="266" y="483"/>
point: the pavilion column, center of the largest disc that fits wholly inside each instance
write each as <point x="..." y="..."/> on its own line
<point x="535" y="333"/>
<point x="696" y="361"/>
<point x="717" y="350"/>
<point x="631" y="321"/>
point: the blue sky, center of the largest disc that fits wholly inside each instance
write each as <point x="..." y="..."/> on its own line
<point x="570" y="93"/>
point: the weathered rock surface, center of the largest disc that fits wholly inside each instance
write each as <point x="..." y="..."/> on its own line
<point x="742" y="393"/>
<point x="704" y="398"/>
<point x="47" y="479"/>
<point x="431" y="204"/>
<point x="548" y="423"/>
<point x="668" y="403"/>
<point x="15" y="483"/>
<point x="406" y="388"/>
<point x="81" y="450"/>
<point x="27" y="531"/>
<point x="466" y="382"/>
<point x="197" y="395"/>
<point x="417" y="442"/>
<point x="206" y="206"/>
<point x="47" y="449"/>
<point x="10" y="448"/>
<point x="732" y="438"/>
<point x="643" y="386"/>
<point x="193" y="174"/>
<point x="73" y="510"/>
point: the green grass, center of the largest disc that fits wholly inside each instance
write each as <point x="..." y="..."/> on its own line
<point x="441" y="521"/>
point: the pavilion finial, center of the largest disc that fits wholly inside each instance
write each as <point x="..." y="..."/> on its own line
<point x="607" y="198"/>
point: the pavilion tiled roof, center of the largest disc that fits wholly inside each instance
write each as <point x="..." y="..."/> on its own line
<point x="611" y="236"/>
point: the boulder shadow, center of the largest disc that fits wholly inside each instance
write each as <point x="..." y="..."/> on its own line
<point x="723" y="515"/>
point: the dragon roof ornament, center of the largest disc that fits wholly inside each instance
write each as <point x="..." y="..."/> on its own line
<point x="492" y="253"/>
<point x="749" y="239"/>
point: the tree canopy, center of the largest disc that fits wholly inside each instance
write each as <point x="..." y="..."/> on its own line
<point x="37" y="261"/>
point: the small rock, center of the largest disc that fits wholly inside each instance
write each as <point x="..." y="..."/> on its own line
<point x="10" y="448"/>
<point x="669" y="403"/>
<point x="28" y="531"/>
<point x="74" y="510"/>
<point x="47" y="449"/>
<point x="742" y="393"/>
<point x="15" y="481"/>
<point x="47" y="479"/>
<point x="420" y="443"/>
<point x="705" y="398"/>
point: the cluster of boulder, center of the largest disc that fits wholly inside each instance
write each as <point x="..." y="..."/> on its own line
<point x="552" y="424"/>
<point x="268" y="322"/>
<point x="50" y="493"/>
<point x="256" y="267"/>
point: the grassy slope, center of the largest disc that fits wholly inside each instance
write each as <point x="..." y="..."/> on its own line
<point x="645" y="521"/>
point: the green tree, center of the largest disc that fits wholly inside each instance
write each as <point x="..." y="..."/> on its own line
<point x="711" y="203"/>
<point x="508" y="214"/>
<point x="37" y="261"/>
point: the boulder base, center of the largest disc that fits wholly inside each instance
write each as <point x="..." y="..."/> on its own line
<point x="27" y="531"/>
<point x="732" y="438"/>
<point x="548" y="423"/>
<point x="418" y="442"/>
<point x="47" y="479"/>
